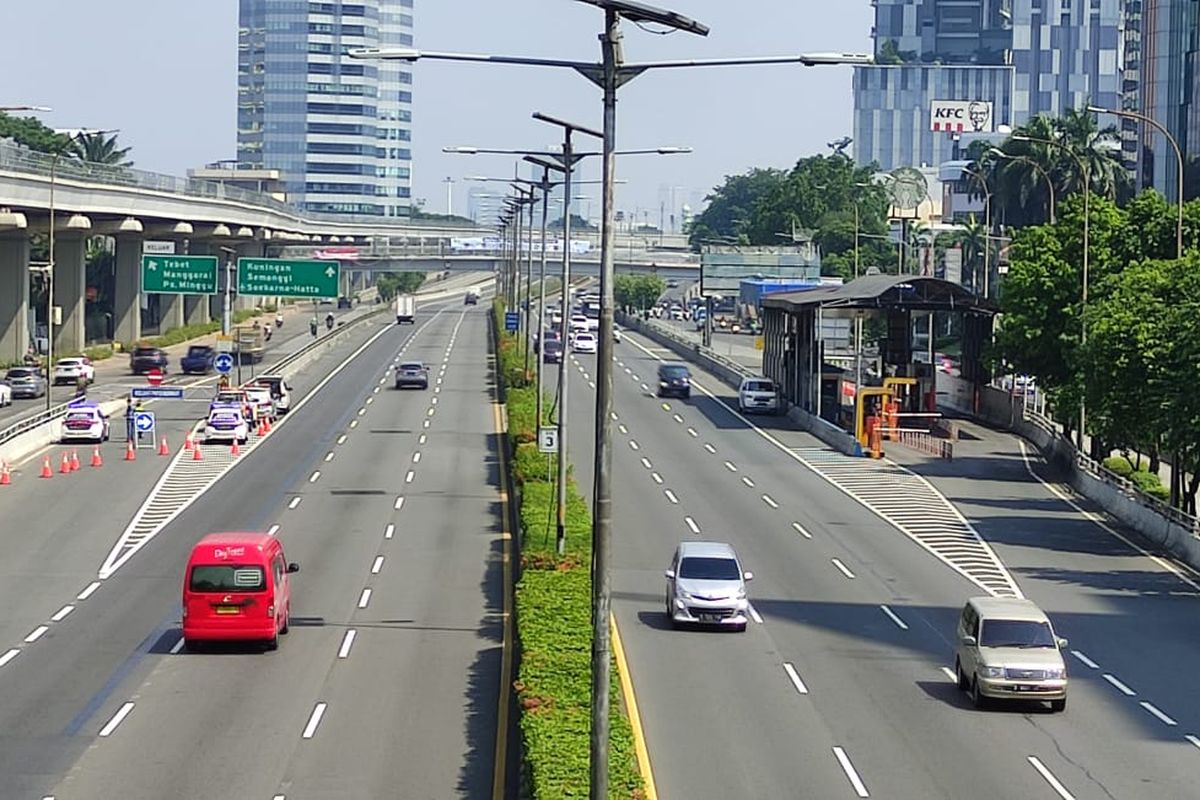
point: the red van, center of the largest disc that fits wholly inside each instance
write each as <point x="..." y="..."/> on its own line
<point x="237" y="588"/>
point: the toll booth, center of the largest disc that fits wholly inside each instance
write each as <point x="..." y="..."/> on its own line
<point x="905" y="316"/>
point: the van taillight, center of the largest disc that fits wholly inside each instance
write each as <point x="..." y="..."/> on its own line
<point x="271" y="610"/>
<point x="185" y="610"/>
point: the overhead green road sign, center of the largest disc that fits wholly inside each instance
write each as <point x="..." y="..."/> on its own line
<point x="179" y="274"/>
<point x="288" y="277"/>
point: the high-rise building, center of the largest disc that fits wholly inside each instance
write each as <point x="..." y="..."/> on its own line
<point x="338" y="130"/>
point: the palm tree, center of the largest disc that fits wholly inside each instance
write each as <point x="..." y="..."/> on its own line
<point x="1099" y="149"/>
<point x="974" y="238"/>
<point x="98" y="148"/>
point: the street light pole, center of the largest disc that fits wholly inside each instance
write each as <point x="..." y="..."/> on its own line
<point x="998" y="153"/>
<point x="987" y="226"/>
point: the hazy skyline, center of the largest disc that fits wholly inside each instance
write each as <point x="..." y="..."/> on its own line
<point x="165" y="74"/>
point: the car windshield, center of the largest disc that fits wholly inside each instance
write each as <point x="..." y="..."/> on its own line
<point x="69" y="362"/>
<point x="198" y="351"/>
<point x="227" y="578"/>
<point x="674" y="372"/>
<point x="412" y="366"/>
<point x="709" y="569"/>
<point x="20" y="373"/>
<point x="1015" y="633"/>
<point x="145" y="351"/>
<point x="80" y="416"/>
<point x="760" y="386"/>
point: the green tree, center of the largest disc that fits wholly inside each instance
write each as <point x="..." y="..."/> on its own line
<point x="100" y="148"/>
<point x="732" y="205"/>
<point x="390" y="284"/>
<point x="31" y="133"/>
<point x="638" y="291"/>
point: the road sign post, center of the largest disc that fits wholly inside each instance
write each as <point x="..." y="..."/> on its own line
<point x="143" y="422"/>
<point x="179" y="274"/>
<point x="548" y="440"/>
<point x="512" y="321"/>
<point x="287" y="277"/>
<point x="157" y="392"/>
<point x="154" y="377"/>
<point x="223" y="363"/>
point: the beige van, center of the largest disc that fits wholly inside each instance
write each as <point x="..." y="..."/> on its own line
<point x="1007" y="649"/>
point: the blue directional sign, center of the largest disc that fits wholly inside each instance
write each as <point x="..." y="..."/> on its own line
<point x="512" y="321"/>
<point x="144" y="421"/>
<point x="223" y="362"/>
<point x="158" y="392"/>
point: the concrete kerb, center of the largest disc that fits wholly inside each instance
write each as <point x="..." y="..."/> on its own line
<point x="732" y="373"/>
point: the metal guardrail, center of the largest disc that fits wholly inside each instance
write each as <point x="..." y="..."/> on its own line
<point x="33" y="422"/>
<point x="928" y="443"/>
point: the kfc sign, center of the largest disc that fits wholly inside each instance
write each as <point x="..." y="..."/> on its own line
<point x="961" y="116"/>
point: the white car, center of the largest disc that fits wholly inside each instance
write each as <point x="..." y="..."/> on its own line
<point x="260" y="398"/>
<point x="70" y="370"/>
<point x="85" y="421"/>
<point x="758" y="394"/>
<point x="584" y="342"/>
<point x="5" y="395"/>
<point x="578" y="322"/>
<point x="226" y="423"/>
<point x="593" y="323"/>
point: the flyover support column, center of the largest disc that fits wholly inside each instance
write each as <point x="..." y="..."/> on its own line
<point x="195" y="306"/>
<point x="170" y="312"/>
<point x="70" y="290"/>
<point x="127" y="297"/>
<point x="14" y="296"/>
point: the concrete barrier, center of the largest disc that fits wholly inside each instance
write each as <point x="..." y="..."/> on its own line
<point x="47" y="434"/>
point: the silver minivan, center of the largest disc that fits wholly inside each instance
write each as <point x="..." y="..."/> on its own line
<point x="706" y="585"/>
<point x="1007" y="649"/>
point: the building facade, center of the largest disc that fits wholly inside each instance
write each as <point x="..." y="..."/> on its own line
<point x="337" y="130"/>
<point x="1169" y="92"/>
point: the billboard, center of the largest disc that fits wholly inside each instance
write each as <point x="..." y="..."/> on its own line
<point x="722" y="269"/>
<point x="952" y="264"/>
<point x="961" y="116"/>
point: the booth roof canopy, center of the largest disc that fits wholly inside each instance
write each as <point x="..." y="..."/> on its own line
<point x="902" y="292"/>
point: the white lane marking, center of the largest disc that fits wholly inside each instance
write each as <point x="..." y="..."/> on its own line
<point x="657" y="478"/>
<point x="389" y="531"/>
<point x="614" y="415"/>
<point x="842" y="567"/>
<point x="87" y="592"/>
<point x="1099" y="521"/>
<point x="353" y="423"/>
<point x="295" y="502"/>
<point x="645" y="388"/>
<point x="766" y="498"/>
<point x="1087" y="661"/>
<point x="274" y="529"/>
<point x="399" y="504"/>
<point x="1161" y="716"/>
<point x="417" y="457"/>
<point x="409" y="477"/>
<point x="178" y="646"/>
<point x="635" y="377"/>
<point x="628" y="371"/>
<point x="949" y="673"/>
<point x="314" y="720"/>
<point x="729" y="465"/>
<point x="437" y="390"/>
<point x="329" y="456"/>
<point x="347" y="643"/>
<point x="364" y="598"/>
<point x="709" y="448"/>
<point x="425" y="424"/>
<point x="431" y="412"/>
<point x="9" y="656"/>
<point x="377" y="565"/>
<point x="36" y="633"/>
<point x="433" y="401"/>
<point x="633" y="445"/>
<point x="371" y="399"/>
<point x="279" y="797"/>
<point x="679" y="419"/>
<point x="892" y="616"/>
<point x="692" y="432"/>
<point x="1120" y="687"/>
<point x="591" y="384"/>
<point x="754" y="615"/>
<point x="646" y="463"/>
<point x="795" y="677"/>
<point x="1049" y="777"/>
<point x="747" y="481"/>
<point x="860" y="788"/>
<point x="117" y="718"/>
<point x="61" y="614"/>
<point x="362" y="411"/>
<point x="383" y="380"/>
<point x="622" y="428"/>
<point x="314" y="477"/>
<point x="422" y="439"/>
<point x="671" y="496"/>
<point x="341" y="439"/>
<point x="691" y="523"/>
<point x="800" y="530"/>
<point x="1187" y="736"/>
<point x="374" y="391"/>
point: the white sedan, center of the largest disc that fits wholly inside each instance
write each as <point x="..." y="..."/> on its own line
<point x="5" y="395"/>
<point x="70" y="370"/>
<point x="584" y="342"/>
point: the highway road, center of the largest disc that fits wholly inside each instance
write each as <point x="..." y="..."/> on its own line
<point x="387" y="683"/>
<point x="843" y="689"/>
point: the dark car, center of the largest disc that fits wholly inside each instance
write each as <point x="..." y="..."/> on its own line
<point x="144" y="359"/>
<point x="552" y="352"/>
<point x="674" y="380"/>
<point x="26" y="381"/>
<point x="199" y="358"/>
<point x="547" y="336"/>
<point x="344" y="302"/>
<point x="412" y="373"/>
<point x="471" y="299"/>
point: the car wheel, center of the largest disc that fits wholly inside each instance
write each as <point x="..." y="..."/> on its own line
<point x="740" y="628"/>
<point x="1058" y="705"/>
<point x="287" y="621"/>
<point x="272" y="643"/>
<point x="959" y="677"/>
<point x="977" y="697"/>
<point x="687" y="395"/>
<point x="193" y="645"/>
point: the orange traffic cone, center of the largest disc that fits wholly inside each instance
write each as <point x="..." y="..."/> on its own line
<point x="163" y="450"/>
<point x="46" y="471"/>
<point x="130" y="454"/>
<point x="196" y="454"/>
<point x="266" y="424"/>
<point x="187" y="441"/>
<point x="234" y="450"/>
<point x="5" y="478"/>
<point x="65" y="466"/>
<point x="74" y="459"/>
<point x="97" y="461"/>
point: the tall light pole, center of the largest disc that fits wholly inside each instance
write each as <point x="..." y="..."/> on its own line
<point x="1178" y="159"/>
<point x="1087" y="190"/>
<point x="449" y="195"/>
<point x="609" y="75"/>
<point x="987" y="226"/>
<point x="998" y="153"/>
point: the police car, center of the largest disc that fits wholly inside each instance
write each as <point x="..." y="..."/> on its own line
<point x="84" y="420"/>
<point x="226" y="422"/>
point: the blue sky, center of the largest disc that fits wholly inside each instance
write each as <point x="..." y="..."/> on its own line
<point x="164" y="72"/>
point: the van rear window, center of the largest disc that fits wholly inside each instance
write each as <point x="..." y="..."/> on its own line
<point x="228" y="578"/>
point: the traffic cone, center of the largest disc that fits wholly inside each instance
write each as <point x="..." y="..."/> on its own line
<point x="5" y="478"/>
<point x="46" y="471"/>
<point x="65" y="466"/>
<point x="266" y="424"/>
<point x="163" y="450"/>
<point x="196" y="454"/>
<point x="234" y="450"/>
<point x="187" y="441"/>
<point x="261" y="430"/>
<point x="130" y="454"/>
<point x="97" y="461"/>
<point x="74" y="459"/>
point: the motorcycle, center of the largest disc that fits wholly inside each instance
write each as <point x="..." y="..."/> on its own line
<point x="279" y="320"/>
<point x="329" y="322"/>
<point x="267" y="333"/>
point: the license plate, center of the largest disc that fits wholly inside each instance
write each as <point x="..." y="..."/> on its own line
<point x="709" y="617"/>
<point x="228" y="610"/>
<point x="1026" y="688"/>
